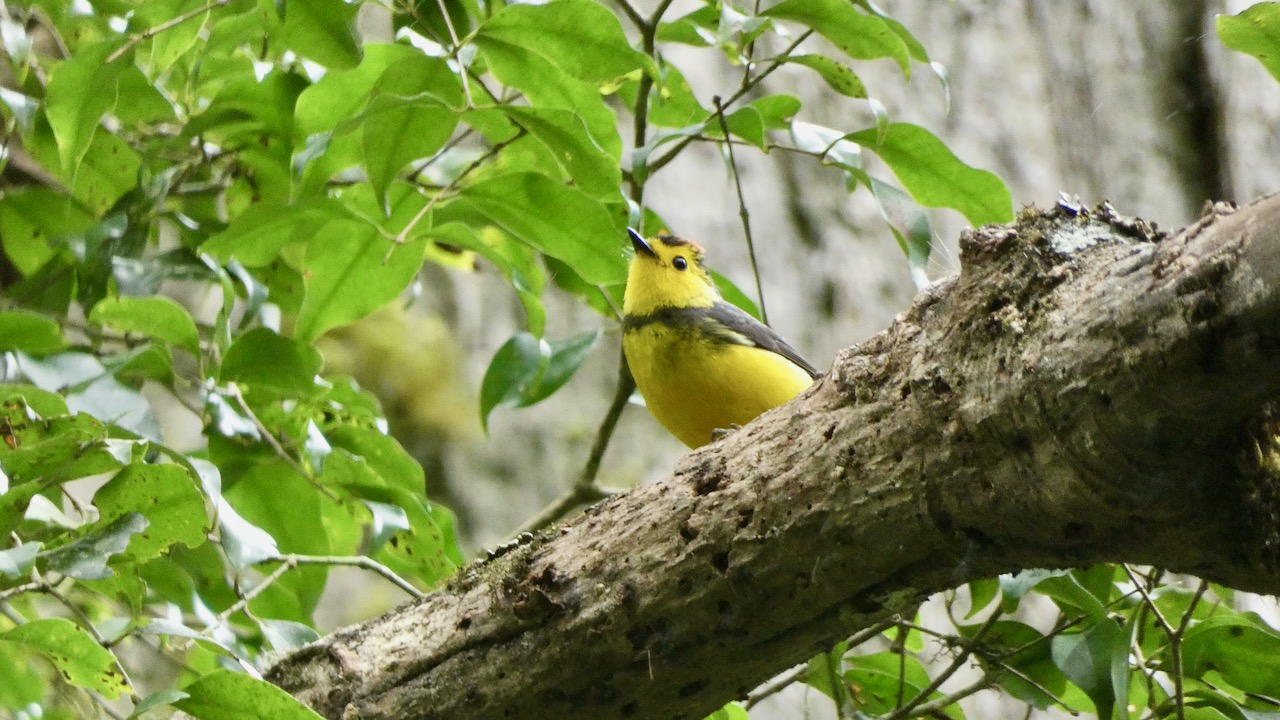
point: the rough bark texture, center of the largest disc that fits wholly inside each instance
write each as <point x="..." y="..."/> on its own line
<point x="1084" y="391"/>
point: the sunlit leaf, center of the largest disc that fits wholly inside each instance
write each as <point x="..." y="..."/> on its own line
<point x="153" y="317"/>
<point x="937" y="178"/>
<point x="1254" y="31"/>
<point x="77" y="656"/>
<point x="226" y="695"/>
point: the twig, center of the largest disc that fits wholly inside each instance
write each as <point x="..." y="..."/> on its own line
<point x="275" y="444"/>
<point x="157" y="29"/>
<point x="453" y="36"/>
<point x="586" y="490"/>
<point x="33" y="586"/>
<point x="777" y="63"/>
<point x="359" y="561"/>
<point x="286" y="565"/>
<point x="444" y="192"/>
<point x="793" y="675"/>
<point x="935" y="706"/>
<point x="742" y="208"/>
<point x="969" y="648"/>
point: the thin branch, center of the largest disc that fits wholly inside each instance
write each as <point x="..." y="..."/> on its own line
<point x="778" y="62"/>
<point x="743" y="214"/>
<point x="792" y="676"/>
<point x="936" y="706"/>
<point x="33" y="586"/>
<point x="444" y="192"/>
<point x="359" y="561"/>
<point x="457" y="45"/>
<point x="1155" y="611"/>
<point x="632" y="14"/>
<point x="275" y="444"/>
<point x="1175" y="649"/>
<point x="157" y="29"/>
<point x="223" y="617"/>
<point x="969" y="647"/>
<point x="586" y="490"/>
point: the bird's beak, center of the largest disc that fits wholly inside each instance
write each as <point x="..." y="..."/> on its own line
<point x="642" y="247"/>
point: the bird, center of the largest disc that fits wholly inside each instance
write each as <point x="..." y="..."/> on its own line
<point x="703" y="365"/>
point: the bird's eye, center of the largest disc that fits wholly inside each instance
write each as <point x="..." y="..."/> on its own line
<point x="680" y="263"/>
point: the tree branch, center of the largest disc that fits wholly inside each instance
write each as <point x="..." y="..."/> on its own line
<point x="1086" y="390"/>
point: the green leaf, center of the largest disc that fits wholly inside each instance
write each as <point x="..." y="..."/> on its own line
<point x="415" y="544"/>
<point x="30" y="217"/>
<point x="878" y="679"/>
<point x="226" y="695"/>
<point x="166" y="495"/>
<point x="37" y="454"/>
<point x="526" y="370"/>
<point x="981" y="593"/>
<point x="935" y="177"/>
<point x="412" y="113"/>
<point x="45" y="404"/>
<point x="838" y="75"/>
<point x="551" y="54"/>
<point x="257" y="236"/>
<point x="560" y="221"/>
<point x="583" y="162"/>
<point x="909" y="224"/>
<point x="81" y="90"/>
<point x="262" y="358"/>
<point x="17" y="561"/>
<point x="338" y="96"/>
<point x="76" y="655"/>
<point x="1097" y="661"/>
<point x="732" y="711"/>
<point x="154" y="317"/>
<point x="1239" y="647"/>
<point x="350" y="270"/>
<point x="108" y="169"/>
<point x="86" y="557"/>
<point x="166" y="47"/>
<point x="29" y="332"/>
<point x="734" y="295"/>
<point x="858" y="35"/>
<point x="517" y="261"/>
<point x="1255" y="31"/>
<point x="323" y="31"/>
<point x="580" y="37"/>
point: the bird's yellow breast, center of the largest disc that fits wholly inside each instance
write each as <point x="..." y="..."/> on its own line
<point x="694" y="384"/>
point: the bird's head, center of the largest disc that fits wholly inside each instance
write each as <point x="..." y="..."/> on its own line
<point x="667" y="272"/>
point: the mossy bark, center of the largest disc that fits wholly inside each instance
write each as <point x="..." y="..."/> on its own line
<point x="1086" y="390"/>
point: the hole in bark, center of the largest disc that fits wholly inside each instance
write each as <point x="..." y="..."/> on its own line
<point x="720" y="561"/>
<point x="688" y="533"/>
<point x="692" y="688"/>
<point x="1104" y="400"/>
<point x="706" y="484"/>
<point x="830" y="433"/>
<point x="464" y="623"/>
<point x="725" y="609"/>
<point x="906" y="391"/>
<point x="940" y="386"/>
<point x="1075" y="531"/>
<point x="1021" y="443"/>
<point x="744" y="517"/>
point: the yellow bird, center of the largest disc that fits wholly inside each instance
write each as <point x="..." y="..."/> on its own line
<point x="701" y="363"/>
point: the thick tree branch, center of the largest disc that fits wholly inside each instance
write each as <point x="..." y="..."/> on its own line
<point x="1084" y="391"/>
